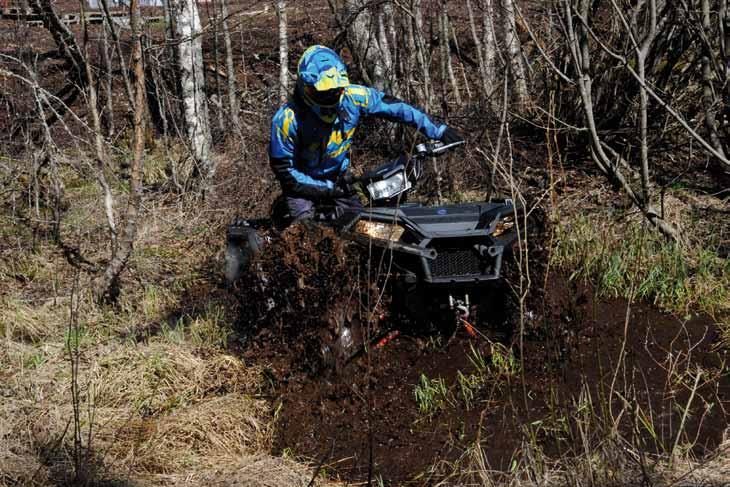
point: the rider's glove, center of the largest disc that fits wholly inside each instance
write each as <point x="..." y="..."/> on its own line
<point x="336" y="192"/>
<point x="346" y="184"/>
<point x="451" y="136"/>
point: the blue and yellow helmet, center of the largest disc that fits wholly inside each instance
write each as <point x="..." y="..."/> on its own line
<point x="321" y="80"/>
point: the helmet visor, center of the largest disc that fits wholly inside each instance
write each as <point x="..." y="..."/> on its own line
<point x="327" y="98"/>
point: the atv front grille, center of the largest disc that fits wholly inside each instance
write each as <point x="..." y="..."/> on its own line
<point x="457" y="263"/>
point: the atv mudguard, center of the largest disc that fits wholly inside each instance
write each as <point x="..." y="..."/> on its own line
<point x="242" y="243"/>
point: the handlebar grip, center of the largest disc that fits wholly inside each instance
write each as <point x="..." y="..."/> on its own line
<point x="435" y="148"/>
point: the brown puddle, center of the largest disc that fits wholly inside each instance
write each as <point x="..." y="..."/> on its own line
<point x="359" y="423"/>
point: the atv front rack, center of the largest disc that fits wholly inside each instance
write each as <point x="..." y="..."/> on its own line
<point x="455" y="244"/>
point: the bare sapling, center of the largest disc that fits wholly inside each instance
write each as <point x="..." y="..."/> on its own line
<point x="83" y="464"/>
<point x="447" y="68"/>
<point x="609" y="161"/>
<point x="230" y="71"/>
<point x="101" y="159"/>
<point x="106" y="285"/>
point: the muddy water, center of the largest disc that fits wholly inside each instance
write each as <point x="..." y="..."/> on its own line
<point x="365" y="421"/>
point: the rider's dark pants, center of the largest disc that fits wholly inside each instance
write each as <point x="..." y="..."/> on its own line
<point x="303" y="209"/>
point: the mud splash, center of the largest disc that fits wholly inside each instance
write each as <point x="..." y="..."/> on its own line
<point x="304" y="287"/>
<point x="365" y="422"/>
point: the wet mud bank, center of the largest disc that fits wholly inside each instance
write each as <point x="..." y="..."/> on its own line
<point x="394" y="413"/>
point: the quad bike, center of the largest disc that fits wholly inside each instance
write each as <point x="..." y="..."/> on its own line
<point x="446" y="260"/>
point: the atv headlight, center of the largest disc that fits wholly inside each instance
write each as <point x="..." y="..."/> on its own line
<point x="382" y="231"/>
<point x="503" y="225"/>
<point x="387" y="188"/>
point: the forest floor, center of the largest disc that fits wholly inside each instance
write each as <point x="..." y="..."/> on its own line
<point x="170" y="388"/>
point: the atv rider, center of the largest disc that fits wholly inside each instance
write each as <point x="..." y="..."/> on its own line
<point x="312" y="133"/>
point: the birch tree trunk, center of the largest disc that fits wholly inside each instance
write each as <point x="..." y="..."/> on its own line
<point x="283" y="51"/>
<point x="490" y="50"/>
<point x="192" y="85"/>
<point x="214" y="21"/>
<point x="385" y="50"/>
<point x="514" y="50"/>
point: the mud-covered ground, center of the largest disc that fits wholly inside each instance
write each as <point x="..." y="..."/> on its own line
<point x="367" y="420"/>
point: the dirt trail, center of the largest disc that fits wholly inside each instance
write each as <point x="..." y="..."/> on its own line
<point x="370" y="407"/>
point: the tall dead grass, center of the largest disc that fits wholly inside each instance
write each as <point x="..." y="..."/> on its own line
<point x="162" y="400"/>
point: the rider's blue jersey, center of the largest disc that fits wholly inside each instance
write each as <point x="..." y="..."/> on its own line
<point x="307" y="155"/>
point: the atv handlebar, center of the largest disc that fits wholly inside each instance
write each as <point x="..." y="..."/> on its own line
<point x="435" y="149"/>
<point x="402" y="173"/>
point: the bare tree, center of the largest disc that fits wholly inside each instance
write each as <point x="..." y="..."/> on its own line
<point x="421" y="52"/>
<point x="447" y="69"/>
<point x="514" y="52"/>
<point x="486" y="86"/>
<point x="192" y="83"/>
<point x="711" y="70"/>
<point x="106" y="284"/>
<point x="283" y="51"/>
<point x="607" y="159"/>
<point x="230" y="72"/>
<point x="642" y="43"/>
<point x="369" y="44"/>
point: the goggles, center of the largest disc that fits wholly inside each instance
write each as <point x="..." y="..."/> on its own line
<point x="325" y="99"/>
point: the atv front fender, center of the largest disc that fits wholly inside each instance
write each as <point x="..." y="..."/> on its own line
<point x="242" y="244"/>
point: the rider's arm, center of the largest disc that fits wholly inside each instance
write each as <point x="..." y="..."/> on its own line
<point x="378" y="104"/>
<point x="282" y="149"/>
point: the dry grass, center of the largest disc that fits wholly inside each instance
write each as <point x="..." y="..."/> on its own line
<point x="155" y="408"/>
<point x="162" y="400"/>
<point x="249" y="471"/>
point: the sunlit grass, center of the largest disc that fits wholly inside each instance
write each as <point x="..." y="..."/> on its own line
<point x="618" y="258"/>
<point x="432" y="395"/>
